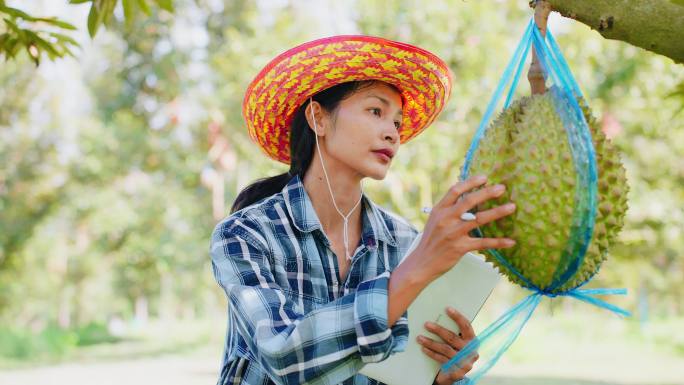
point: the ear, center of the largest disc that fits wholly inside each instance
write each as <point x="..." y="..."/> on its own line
<point x="314" y="109"/>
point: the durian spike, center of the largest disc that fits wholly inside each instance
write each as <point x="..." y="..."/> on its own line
<point x="535" y="75"/>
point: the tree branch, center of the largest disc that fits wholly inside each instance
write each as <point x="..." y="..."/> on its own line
<point x="535" y="75"/>
<point x="655" y="25"/>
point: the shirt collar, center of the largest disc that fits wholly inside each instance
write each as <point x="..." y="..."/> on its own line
<point x="305" y="219"/>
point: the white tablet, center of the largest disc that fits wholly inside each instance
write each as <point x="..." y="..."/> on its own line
<point x="465" y="287"/>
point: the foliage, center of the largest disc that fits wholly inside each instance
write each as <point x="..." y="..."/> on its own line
<point x="35" y="40"/>
<point x="51" y="342"/>
<point x="101" y="11"/>
<point x="22" y="31"/>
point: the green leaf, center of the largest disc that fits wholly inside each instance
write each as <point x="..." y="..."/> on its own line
<point x="12" y="47"/>
<point x="67" y="51"/>
<point x="144" y="6"/>
<point x="93" y="20"/>
<point x="129" y="11"/>
<point x="35" y="39"/>
<point x="678" y="2"/>
<point x="55" y="21"/>
<point x="13" y="26"/>
<point x="16" y="13"/>
<point x="166" y="5"/>
<point x="79" y="1"/>
<point x="3" y="40"/>
<point x="64" y="38"/>
<point x="107" y="10"/>
<point x="49" y="48"/>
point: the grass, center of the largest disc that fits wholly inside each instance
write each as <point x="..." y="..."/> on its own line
<point x="22" y="349"/>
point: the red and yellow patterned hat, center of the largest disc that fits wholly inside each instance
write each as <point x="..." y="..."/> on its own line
<point x="279" y="89"/>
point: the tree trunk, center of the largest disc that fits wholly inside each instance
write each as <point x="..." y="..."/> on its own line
<point x="142" y="313"/>
<point x="655" y="25"/>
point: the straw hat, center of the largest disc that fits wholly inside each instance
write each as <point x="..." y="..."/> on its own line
<point x="286" y="82"/>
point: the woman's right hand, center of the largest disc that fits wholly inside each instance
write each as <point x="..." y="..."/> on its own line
<point x="446" y="236"/>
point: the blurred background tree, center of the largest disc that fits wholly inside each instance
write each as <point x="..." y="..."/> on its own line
<point x="117" y="163"/>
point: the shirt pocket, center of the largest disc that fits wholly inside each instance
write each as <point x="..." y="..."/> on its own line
<point x="296" y="280"/>
<point x="304" y="303"/>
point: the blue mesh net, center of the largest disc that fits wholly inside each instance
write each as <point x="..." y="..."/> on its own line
<point x="493" y="342"/>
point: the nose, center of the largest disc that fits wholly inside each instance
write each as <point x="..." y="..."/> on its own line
<point x="392" y="135"/>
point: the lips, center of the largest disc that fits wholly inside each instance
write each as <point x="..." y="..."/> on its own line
<point x="387" y="152"/>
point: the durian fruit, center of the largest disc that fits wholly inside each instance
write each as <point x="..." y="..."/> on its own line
<point x="526" y="148"/>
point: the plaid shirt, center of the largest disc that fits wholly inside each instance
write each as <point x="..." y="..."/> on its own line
<point x="291" y="320"/>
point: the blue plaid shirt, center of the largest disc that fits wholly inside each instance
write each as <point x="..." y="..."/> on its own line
<point x="291" y="320"/>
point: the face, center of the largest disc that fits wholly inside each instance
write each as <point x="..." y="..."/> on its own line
<point x="363" y="134"/>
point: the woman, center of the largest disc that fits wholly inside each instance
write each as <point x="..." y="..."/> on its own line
<point x="309" y="264"/>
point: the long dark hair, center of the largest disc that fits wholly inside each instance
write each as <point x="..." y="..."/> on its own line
<point x="302" y="143"/>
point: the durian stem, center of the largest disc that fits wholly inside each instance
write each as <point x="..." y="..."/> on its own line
<point x="535" y="75"/>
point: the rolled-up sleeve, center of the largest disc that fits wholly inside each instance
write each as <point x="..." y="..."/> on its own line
<point x="293" y="347"/>
<point x="374" y="338"/>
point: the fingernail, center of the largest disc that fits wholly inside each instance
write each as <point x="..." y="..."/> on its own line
<point x="510" y="206"/>
<point x="499" y="188"/>
<point x="510" y="242"/>
<point x="451" y="309"/>
<point x="420" y="338"/>
<point x="429" y="324"/>
<point x="480" y="178"/>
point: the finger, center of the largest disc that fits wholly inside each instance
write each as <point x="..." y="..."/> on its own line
<point x="467" y="361"/>
<point x="446" y="335"/>
<point x="460" y="373"/>
<point x="489" y="243"/>
<point x="438" y="347"/>
<point x="472" y="357"/>
<point x="463" y="324"/>
<point x="434" y="355"/>
<point x="487" y="216"/>
<point x="460" y="188"/>
<point x="471" y="200"/>
<point x="455" y="373"/>
<point x="460" y="369"/>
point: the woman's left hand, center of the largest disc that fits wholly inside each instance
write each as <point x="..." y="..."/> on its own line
<point x="450" y="345"/>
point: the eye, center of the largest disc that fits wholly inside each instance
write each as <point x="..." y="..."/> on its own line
<point x="397" y="124"/>
<point x="373" y="110"/>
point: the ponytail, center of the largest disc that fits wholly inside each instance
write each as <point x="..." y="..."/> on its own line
<point x="260" y="189"/>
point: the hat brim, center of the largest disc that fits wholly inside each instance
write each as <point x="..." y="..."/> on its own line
<point x="287" y="81"/>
